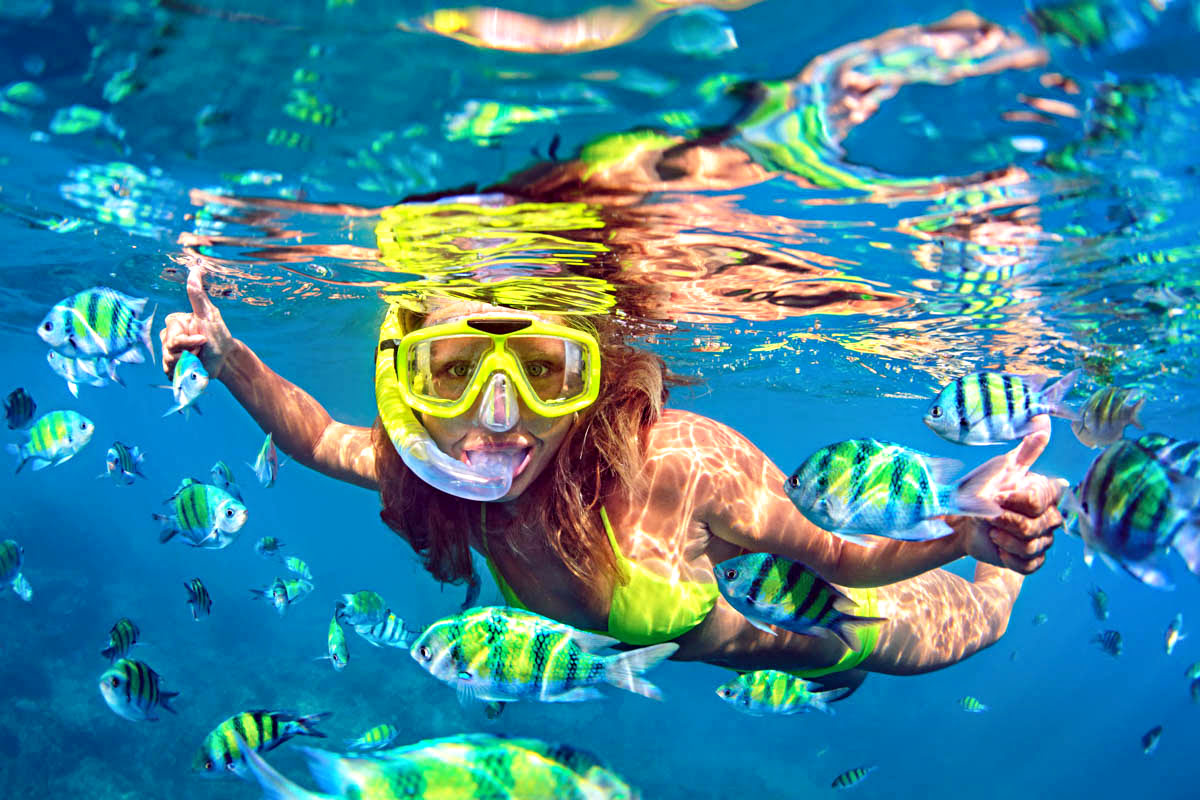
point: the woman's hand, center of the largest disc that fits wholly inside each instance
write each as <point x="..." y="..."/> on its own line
<point x="202" y="331"/>
<point x="1020" y="536"/>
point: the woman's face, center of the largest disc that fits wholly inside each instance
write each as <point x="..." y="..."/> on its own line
<point x="533" y="441"/>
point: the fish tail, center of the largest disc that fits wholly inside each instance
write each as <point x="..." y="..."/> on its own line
<point x="19" y="452"/>
<point x="964" y="497"/>
<point x="110" y="653"/>
<point x="304" y="724"/>
<point x="168" y="528"/>
<point x="147" y="326"/>
<point x="821" y="700"/>
<point x="165" y="698"/>
<point x="624" y="669"/>
<point x="1187" y="542"/>
<point x="848" y="629"/>
<point x="1053" y="396"/>
<point x="275" y="786"/>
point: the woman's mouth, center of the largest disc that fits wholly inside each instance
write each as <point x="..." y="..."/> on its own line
<point x="516" y="457"/>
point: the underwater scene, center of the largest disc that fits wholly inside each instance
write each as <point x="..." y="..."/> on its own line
<point x="336" y="335"/>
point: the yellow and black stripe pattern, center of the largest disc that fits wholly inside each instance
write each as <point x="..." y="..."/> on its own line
<point x="261" y="729"/>
<point x="121" y="638"/>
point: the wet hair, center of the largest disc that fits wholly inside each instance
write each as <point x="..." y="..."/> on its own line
<point x="601" y="453"/>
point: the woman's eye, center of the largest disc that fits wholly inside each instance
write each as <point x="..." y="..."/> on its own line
<point x="537" y="369"/>
<point x="459" y="369"/>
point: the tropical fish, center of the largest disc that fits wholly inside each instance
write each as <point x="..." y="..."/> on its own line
<point x="121" y="638"/>
<point x="204" y="515"/>
<point x="1040" y="619"/>
<point x="266" y="463"/>
<point x="1099" y="602"/>
<point x="189" y="382"/>
<point x="376" y="738"/>
<point x="339" y="650"/>
<point x="297" y="567"/>
<point x="1109" y="641"/>
<point x="283" y="592"/>
<point x="22" y="588"/>
<point x="132" y="690"/>
<point x="361" y="608"/>
<point x="971" y="705"/>
<point x="1195" y="690"/>
<point x="992" y="407"/>
<point x="852" y="777"/>
<point x="390" y="632"/>
<point x="1150" y="739"/>
<point x="198" y="598"/>
<point x="12" y="555"/>
<point x="123" y="463"/>
<point x="1178" y="454"/>
<point x="259" y="730"/>
<point x="769" y="692"/>
<point x="222" y="477"/>
<point x="501" y="653"/>
<point x="863" y="486"/>
<point x="1131" y="509"/>
<point x="99" y="323"/>
<point x="1193" y="670"/>
<point x="268" y="547"/>
<point x="1174" y="633"/>
<point x="54" y="438"/>
<point x="74" y="372"/>
<point x="19" y="408"/>
<point x="1104" y="416"/>
<point x="772" y="590"/>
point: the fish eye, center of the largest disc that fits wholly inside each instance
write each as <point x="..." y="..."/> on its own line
<point x="726" y="692"/>
<point x="48" y="326"/>
<point x="794" y="481"/>
<point x="208" y="765"/>
<point x="194" y="376"/>
<point x="83" y="426"/>
<point x="425" y="653"/>
<point x="935" y="412"/>
<point x="114" y="682"/>
<point x="229" y="512"/>
<point x="730" y="574"/>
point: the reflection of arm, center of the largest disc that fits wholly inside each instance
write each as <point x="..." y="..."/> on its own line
<point x="741" y="499"/>
<point x="301" y="426"/>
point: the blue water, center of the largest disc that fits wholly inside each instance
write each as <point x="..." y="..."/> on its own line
<point x="1086" y="250"/>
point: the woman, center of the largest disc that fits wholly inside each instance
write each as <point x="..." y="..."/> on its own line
<point x="597" y="507"/>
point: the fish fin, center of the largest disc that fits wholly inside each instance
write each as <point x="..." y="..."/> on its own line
<point x="304" y="725"/>
<point x="848" y="629"/>
<point x="821" y="700"/>
<point x="41" y="463"/>
<point x="147" y="327"/>
<point x="943" y="470"/>
<point x="591" y="641"/>
<point x="275" y="786"/>
<point x="173" y="410"/>
<point x="1185" y="489"/>
<point x="966" y="498"/>
<point x="328" y="770"/>
<point x="1187" y="542"/>
<point x="73" y="388"/>
<point x="87" y="366"/>
<point x="494" y="709"/>
<point x="762" y="626"/>
<point x="1053" y="396"/>
<point x="196" y="408"/>
<point x="136" y="304"/>
<point x="1149" y="572"/>
<point x="623" y="670"/>
<point x="168" y="528"/>
<point x="923" y="531"/>
<point x="579" y="694"/>
<point x="18" y="451"/>
<point x="1135" y="418"/>
<point x="131" y="356"/>
<point x="466" y="692"/>
<point x="165" y="698"/>
<point x="860" y="539"/>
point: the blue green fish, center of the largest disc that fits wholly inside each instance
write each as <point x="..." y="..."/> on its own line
<point x="54" y="438"/>
<point x="769" y="692"/>
<point x="133" y="691"/>
<point x="992" y="407"/>
<point x="99" y="323"/>
<point x="204" y="515"/>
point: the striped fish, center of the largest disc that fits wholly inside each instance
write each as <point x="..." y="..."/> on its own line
<point x="771" y="692"/>
<point x="971" y="705"/>
<point x="361" y="608"/>
<point x="391" y="632"/>
<point x="1150" y="739"/>
<point x="266" y="463"/>
<point x="222" y="478"/>
<point x="76" y="371"/>
<point x="1178" y="454"/>
<point x="772" y="590"/>
<point x="189" y="382"/>
<point x="1174" y="633"/>
<point x="198" y="598"/>
<point x="297" y="566"/>
<point x="259" y="729"/>
<point x="268" y="546"/>
<point x="852" y="777"/>
<point x="1103" y="418"/>
<point x="99" y="322"/>
<point x="1131" y="509"/>
<point x="339" y="650"/>
<point x="132" y="690"/>
<point x="1099" y="602"/>
<point x="203" y="514"/>
<point x="19" y="408"/>
<point x="12" y="555"/>
<point x="866" y="487"/>
<point x="121" y="639"/>
<point x="500" y="653"/>
<point x="54" y="438"/>
<point x="1109" y="641"/>
<point x="992" y="407"/>
<point x="284" y="592"/>
<point x="123" y="463"/>
<point x="376" y="738"/>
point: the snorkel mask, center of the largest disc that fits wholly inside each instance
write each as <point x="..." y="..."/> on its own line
<point x="442" y="370"/>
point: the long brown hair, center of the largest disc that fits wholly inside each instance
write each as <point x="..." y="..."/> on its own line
<point x="601" y="453"/>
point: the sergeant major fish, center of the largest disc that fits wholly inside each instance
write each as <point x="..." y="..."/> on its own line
<point x="852" y="777"/>
<point x="204" y="515"/>
<point x="21" y="587"/>
<point x="123" y="464"/>
<point x="259" y="730"/>
<point x="189" y="382"/>
<point x="74" y="372"/>
<point x="19" y="408"/>
<point x="1104" y="416"/>
<point x="283" y="592"/>
<point x="1150" y="739"/>
<point x="54" y="438"/>
<point x="198" y="598"/>
<point x="1109" y="641"/>
<point x="121" y="638"/>
<point x="390" y="632"/>
<point x="339" y="650"/>
<point x="1174" y="633"/>
<point x="98" y="322"/>
<point x="222" y="477"/>
<point x="376" y="738"/>
<point x="971" y="705"/>
<point x="12" y="556"/>
<point x="296" y="566"/>
<point x="771" y="692"/>
<point x="1099" y="602"/>
<point x="133" y="691"/>
<point x="1178" y="454"/>
<point x="361" y="608"/>
<point x="992" y="407"/>
<point x="268" y="547"/>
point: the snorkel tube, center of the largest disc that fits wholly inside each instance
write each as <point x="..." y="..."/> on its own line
<point x="486" y="480"/>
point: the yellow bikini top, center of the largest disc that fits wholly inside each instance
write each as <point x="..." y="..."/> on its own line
<point x="646" y="609"/>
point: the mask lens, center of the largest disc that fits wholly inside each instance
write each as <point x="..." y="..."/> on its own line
<point x="442" y="369"/>
<point x="553" y="367"/>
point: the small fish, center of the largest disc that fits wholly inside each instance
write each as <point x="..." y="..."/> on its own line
<point x="268" y="547"/>
<point x="1104" y="416"/>
<point x="203" y="514"/>
<point x="852" y="777"/>
<point x="222" y="477"/>
<point x="1132" y="509"/>
<point x="1150" y="739"/>
<point x="132" y="690"/>
<point x="339" y="650"/>
<point x="992" y="407"/>
<point x="283" y="592"/>
<point x="1065" y="575"/>
<point x="12" y="556"/>
<point x="266" y="463"/>
<point x="99" y="323"/>
<point x="74" y="371"/>
<point x="867" y="487"/>
<point x="376" y="738"/>
<point x="972" y="705"/>
<point x="501" y="653"/>
<point x="297" y="567"/>
<point x="1174" y="633"/>
<point x="19" y="408"/>
<point x="1195" y="690"/>
<point x="361" y="608"/>
<point x="189" y="382"/>
<point x="121" y="638"/>
<point x="772" y="590"/>
<point x="1109" y="641"/>
<point x="391" y="632"/>
<point x="22" y="588"/>
<point x="769" y="692"/>
<point x="1193" y="670"/>
<point x="1040" y="619"/>
<point x="1099" y="602"/>
<point x="1180" y="455"/>
<point x="259" y="729"/>
<point x="198" y="598"/>
<point x="123" y="464"/>
<point x="54" y="438"/>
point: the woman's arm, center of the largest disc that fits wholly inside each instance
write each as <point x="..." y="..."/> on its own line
<point x="300" y="426"/>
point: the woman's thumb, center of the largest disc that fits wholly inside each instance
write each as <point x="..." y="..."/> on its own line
<point x="202" y="307"/>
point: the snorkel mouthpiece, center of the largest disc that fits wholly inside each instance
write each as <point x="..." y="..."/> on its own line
<point x="485" y="479"/>
<point x="498" y="411"/>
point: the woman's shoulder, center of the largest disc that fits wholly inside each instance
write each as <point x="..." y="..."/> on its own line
<point x="686" y="434"/>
